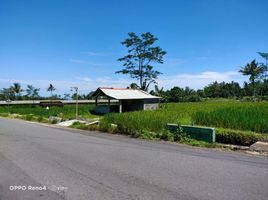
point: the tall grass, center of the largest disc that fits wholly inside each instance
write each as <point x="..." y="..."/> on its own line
<point x="253" y="117"/>
<point x="67" y="111"/>
<point x="225" y="114"/>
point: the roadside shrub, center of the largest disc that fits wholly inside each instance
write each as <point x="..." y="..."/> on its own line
<point x="29" y="117"/>
<point x="4" y="114"/>
<point x="54" y="121"/>
<point x="148" y="135"/>
<point x="104" y="126"/>
<point x="163" y="135"/>
<point x="40" y="119"/>
<point x="79" y="125"/>
<point x="166" y="135"/>
<point x="112" y="129"/>
<point x="237" y="137"/>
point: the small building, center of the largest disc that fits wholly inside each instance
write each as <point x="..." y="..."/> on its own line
<point x="124" y="100"/>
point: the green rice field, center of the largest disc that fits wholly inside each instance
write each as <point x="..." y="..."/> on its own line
<point x="66" y="112"/>
<point x="247" y="116"/>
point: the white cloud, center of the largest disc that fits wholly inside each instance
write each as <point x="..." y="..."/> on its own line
<point x="87" y="84"/>
<point x="91" y="53"/>
<point x="198" y="81"/>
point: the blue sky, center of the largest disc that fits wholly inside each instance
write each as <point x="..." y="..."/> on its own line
<point x="77" y="42"/>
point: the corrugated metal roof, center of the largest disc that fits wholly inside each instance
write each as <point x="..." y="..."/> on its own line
<point x="124" y="93"/>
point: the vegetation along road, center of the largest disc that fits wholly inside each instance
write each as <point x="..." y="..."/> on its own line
<point x="102" y="166"/>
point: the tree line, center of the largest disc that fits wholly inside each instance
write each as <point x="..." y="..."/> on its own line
<point x="16" y="92"/>
<point x="231" y="90"/>
<point x="175" y="94"/>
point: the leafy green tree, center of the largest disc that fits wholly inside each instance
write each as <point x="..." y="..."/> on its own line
<point x="133" y="86"/>
<point x="141" y="55"/>
<point x="200" y="93"/>
<point x="16" y="88"/>
<point x="265" y="87"/>
<point x="188" y="91"/>
<point x="264" y="65"/>
<point x="175" y="94"/>
<point x="254" y="71"/>
<point x="32" y="92"/>
<point x="7" y="94"/>
<point x="213" y="90"/>
<point x="50" y="89"/>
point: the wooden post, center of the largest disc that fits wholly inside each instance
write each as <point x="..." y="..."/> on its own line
<point x="120" y="106"/>
<point x="96" y="101"/>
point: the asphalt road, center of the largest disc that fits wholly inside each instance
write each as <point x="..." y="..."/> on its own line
<point x="100" y="166"/>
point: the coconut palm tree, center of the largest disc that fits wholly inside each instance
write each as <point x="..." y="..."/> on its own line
<point x="253" y="70"/>
<point x="32" y="92"/>
<point x="50" y="89"/>
<point x="16" y="88"/>
<point x="265" y="65"/>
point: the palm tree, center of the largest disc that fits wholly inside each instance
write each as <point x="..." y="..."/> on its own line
<point x="254" y="70"/>
<point x="265" y="56"/>
<point x="50" y="89"/>
<point x="16" y="88"/>
<point x="32" y="92"/>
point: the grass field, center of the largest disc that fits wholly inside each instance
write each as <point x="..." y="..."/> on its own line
<point x="66" y="112"/>
<point x="225" y="114"/>
<point x="236" y="122"/>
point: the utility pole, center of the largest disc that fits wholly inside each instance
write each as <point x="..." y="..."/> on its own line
<point x="76" y="109"/>
<point x="8" y="100"/>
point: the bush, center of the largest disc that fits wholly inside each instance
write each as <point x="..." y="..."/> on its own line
<point x="54" y="121"/>
<point x="104" y="126"/>
<point x="162" y="135"/>
<point x="237" y="137"/>
<point x="4" y="114"/>
<point x="29" y="117"/>
<point x="40" y="118"/>
<point x="148" y="135"/>
<point x="83" y="126"/>
<point x="167" y="135"/>
<point x="194" y="98"/>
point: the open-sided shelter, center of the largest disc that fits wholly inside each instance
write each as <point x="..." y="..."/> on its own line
<point x="127" y="100"/>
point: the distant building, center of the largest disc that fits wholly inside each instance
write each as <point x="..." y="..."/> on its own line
<point x="127" y="100"/>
